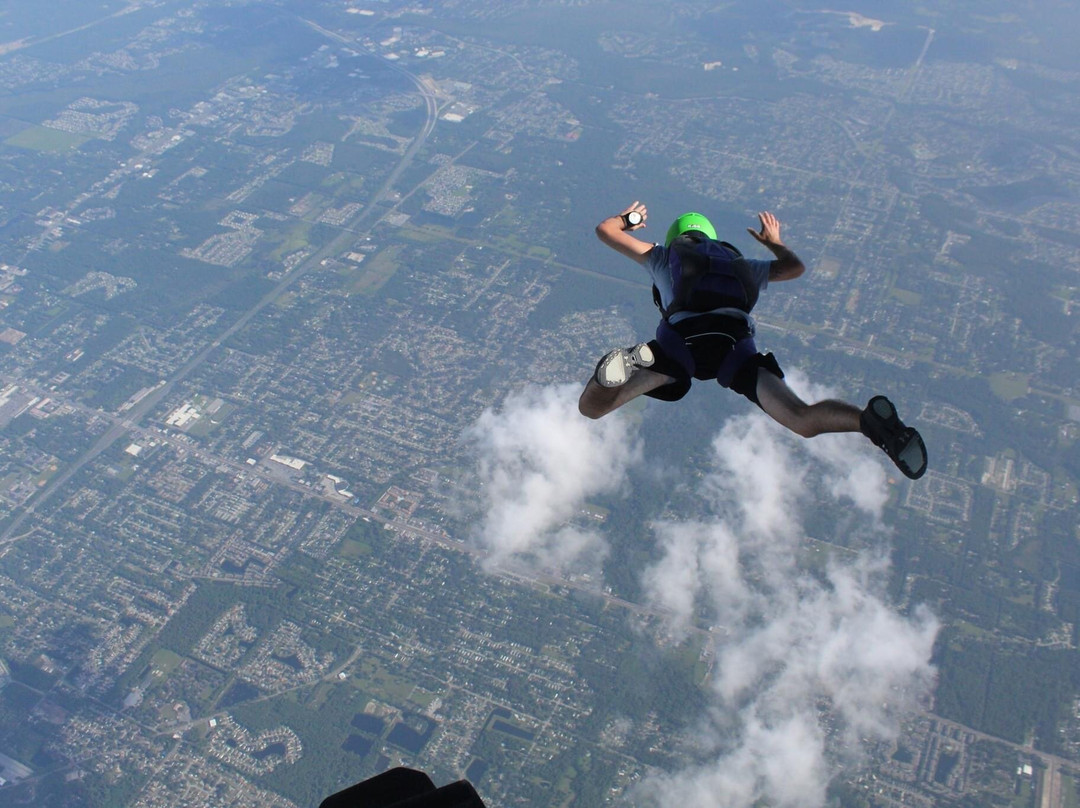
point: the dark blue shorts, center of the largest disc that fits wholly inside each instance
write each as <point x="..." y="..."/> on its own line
<point x="709" y="347"/>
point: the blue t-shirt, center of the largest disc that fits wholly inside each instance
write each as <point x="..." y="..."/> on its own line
<point x="656" y="262"/>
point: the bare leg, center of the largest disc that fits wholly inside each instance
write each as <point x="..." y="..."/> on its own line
<point x="787" y="409"/>
<point x="597" y="401"/>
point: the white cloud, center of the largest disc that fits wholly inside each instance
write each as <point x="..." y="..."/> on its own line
<point x="794" y="641"/>
<point x="780" y="760"/>
<point x="851" y="468"/>
<point x="806" y="664"/>
<point x="539" y="461"/>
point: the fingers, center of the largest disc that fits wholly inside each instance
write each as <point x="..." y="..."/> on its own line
<point x="640" y="208"/>
<point x="770" y="227"/>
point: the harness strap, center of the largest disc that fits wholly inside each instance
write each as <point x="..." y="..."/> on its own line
<point x="676" y="341"/>
<point x="743" y="351"/>
<point x="692" y="259"/>
<point x="675" y="347"/>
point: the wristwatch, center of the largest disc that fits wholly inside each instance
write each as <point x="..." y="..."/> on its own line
<point x="632" y="218"/>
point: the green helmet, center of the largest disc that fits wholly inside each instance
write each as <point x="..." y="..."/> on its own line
<point x="687" y="222"/>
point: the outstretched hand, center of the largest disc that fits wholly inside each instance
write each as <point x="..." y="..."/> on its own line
<point x="614" y="232"/>
<point x="640" y="208"/>
<point x="770" y="230"/>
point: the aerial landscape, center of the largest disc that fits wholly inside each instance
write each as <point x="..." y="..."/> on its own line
<point x="297" y="298"/>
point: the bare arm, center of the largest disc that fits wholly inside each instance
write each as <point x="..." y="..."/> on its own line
<point x="615" y="233"/>
<point x="787" y="265"/>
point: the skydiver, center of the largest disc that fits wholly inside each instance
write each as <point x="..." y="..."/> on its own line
<point x="705" y="291"/>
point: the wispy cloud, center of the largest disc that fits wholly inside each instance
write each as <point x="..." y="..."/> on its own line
<point x="809" y="663"/>
<point x="538" y="463"/>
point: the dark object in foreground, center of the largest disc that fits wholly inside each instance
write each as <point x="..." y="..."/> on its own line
<point x="903" y="444"/>
<point x="404" y="788"/>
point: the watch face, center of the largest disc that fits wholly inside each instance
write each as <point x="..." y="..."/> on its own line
<point x="633" y="217"/>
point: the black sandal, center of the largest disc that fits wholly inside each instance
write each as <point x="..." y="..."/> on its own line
<point x="903" y="444"/>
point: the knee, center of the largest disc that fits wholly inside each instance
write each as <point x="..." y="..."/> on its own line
<point x="586" y="411"/>
<point x="589" y="408"/>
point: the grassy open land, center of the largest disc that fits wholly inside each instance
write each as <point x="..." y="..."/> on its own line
<point x="376" y="271"/>
<point x="1009" y="386"/>
<point x="905" y="296"/>
<point x="966" y="629"/>
<point x="44" y="139"/>
<point x="125" y="470"/>
<point x="208" y="423"/>
<point x="296" y="238"/>
<point x="369" y="382"/>
<point x="1067" y="295"/>
<point x="285" y="301"/>
<point x="372" y="678"/>
<point x="333" y="180"/>
<point x="817" y="555"/>
<point x="164" y="661"/>
<point x="351" y="548"/>
<point x="1069" y="797"/>
<point x="690" y="655"/>
<point x="383" y="686"/>
<point x="428" y="234"/>
<point x="420" y="699"/>
<point x="8" y="481"/>
<point x="47" y="474"/>
<point x="363" y="539"/>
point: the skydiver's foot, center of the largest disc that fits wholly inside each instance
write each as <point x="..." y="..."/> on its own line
<point x="616" y="368"/>
<point x="903" y="444"/>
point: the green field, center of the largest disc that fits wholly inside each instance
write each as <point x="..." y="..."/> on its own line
<point x="1009" y="386"/>
<point x="44" y="139"/>
<point x="374" y="272"/>
<point x="293" y="239"/>
<point x="372" y="678"/>
<point x="208" y="423"/>
<point x="47" y="473"/>
<point x="905" y="296"/>
<point x="428" y="234"/>
<point x="1069" y="797"/>
<point x="164" y="662"/>
<point x="285" y="301"/>
<point x="351" y="548"/>
<point x="689" y="654"/>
